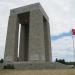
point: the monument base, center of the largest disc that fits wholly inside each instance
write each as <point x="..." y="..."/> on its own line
<point x="40" y="65"/>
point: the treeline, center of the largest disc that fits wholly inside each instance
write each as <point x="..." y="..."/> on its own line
<point x="64" y="62"/>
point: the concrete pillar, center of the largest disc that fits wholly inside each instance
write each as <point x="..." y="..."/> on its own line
<point x="22" y="43"/>
<point x="12" y="39"/>
<point x="24" y="40"/>
<point x="36" y="37"/>
<point x="49" y="44"/>
<point x="47" y="40"/>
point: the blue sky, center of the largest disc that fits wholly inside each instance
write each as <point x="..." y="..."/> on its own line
<point x="61" y="17"/>
<point x="62" y="46"/>
<point x="64" y="34"/>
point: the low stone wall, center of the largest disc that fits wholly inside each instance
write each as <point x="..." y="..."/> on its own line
<point x="37" y="65"/>
<point x="40" y="65"/>
<point x="1" y="65"/>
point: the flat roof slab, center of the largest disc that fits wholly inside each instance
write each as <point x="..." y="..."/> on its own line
<point x="29" y="8"/>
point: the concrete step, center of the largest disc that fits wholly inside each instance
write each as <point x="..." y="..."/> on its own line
<point x="40" y="65"/>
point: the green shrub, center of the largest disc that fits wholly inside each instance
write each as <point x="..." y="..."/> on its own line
<point x="1" y="61"/>
<point x="9" y="66"/>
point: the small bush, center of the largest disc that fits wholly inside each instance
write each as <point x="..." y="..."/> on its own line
<point x="1" y="61"/>
<point x="9" y="66"/>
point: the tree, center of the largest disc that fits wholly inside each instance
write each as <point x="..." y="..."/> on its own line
<point x="60" y="61"/>
<point x="1" y="61"/>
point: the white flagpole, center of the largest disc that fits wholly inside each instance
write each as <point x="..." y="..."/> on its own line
<point x="73" y="45"/>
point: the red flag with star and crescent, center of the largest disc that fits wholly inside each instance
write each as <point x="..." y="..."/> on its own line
<point x="73" y="31"/>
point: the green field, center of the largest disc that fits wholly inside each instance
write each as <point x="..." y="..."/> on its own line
<point x="38" y="72"/>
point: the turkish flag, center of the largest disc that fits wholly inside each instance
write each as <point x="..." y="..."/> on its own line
<point x="73" y="31"/>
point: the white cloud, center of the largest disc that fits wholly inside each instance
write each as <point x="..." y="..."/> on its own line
<point x="63" y="49"/>
<point x="61" y="18"/>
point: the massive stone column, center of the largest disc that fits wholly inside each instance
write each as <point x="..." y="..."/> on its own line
<point x="36" y="37"/>
<point x="49" y="43"/>
<point x="12" y="39"/>
<point x="47" y="40"/>
<point x="24" y="43"/>
<point x="24" y="37"/>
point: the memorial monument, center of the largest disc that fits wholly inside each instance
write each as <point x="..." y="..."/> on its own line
<point x="35" y="42"/>
<point x="28" y="42"/>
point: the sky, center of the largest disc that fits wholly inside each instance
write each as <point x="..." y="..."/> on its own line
<point x="61" y="18"/>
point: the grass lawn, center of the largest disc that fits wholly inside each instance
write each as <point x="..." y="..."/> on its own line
<point x="38" y="72"/>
